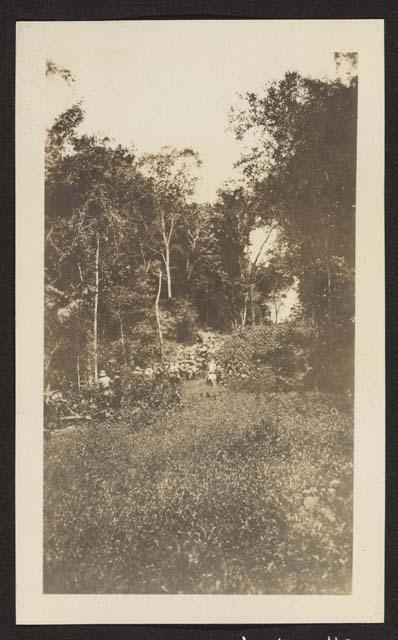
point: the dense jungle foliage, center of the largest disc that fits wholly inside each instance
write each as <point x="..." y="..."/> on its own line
<point x="133" y="263"/>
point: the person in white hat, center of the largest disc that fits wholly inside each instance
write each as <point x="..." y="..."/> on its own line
<point x="211" y="377"/>
<point x="104" y="388"/>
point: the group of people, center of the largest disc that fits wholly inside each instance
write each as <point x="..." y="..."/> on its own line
<point x="110" y="391"/>
<point x="106" y="396"/>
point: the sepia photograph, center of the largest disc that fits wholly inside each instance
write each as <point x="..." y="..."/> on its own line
<point x="199" y="261"/>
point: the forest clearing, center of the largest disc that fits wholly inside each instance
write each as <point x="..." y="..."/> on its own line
<point x="154" y="481"/>
<point x="232" y="494"/>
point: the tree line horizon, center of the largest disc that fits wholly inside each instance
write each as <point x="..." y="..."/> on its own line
<point x="134" y="264"/>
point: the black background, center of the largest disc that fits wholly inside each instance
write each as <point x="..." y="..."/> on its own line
<point x="10" y="12"/>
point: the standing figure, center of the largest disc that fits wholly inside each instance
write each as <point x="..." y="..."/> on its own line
<point x="104" y="389"/>
<point x="174" y="373"/>
<point x="211" y="377"/>
<point x="117" y="392"/>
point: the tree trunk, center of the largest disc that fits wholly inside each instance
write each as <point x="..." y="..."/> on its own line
<point x="122" y="337"/>
<point x="244" y="312"/>
<point x="78" y="367"/>
<point x="166" y="254"/>
<point x="329" y="277"/>
<point x="157" y="313"/>
<point x="252" y="319"/>
<point x="49" y="359"/>
<point x="328" y="272"/>
<point x="168" y="274"/>
<point x="277" y="306"/>
<point x="251" y="276"/>
<point x="95" y="325"/>
<point x="80" y="271"/>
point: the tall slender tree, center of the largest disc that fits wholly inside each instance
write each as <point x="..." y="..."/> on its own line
<point x="173" y="175"/>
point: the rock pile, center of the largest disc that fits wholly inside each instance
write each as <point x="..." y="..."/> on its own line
<point x="190" y="360"/>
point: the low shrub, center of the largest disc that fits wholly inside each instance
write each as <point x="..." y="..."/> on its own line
<point x="262" y="351"/>
<point x="141" y="392"/>
<point x="291" y="355"/>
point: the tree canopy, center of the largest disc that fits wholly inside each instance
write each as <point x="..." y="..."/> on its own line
<point x="123" y="231"/>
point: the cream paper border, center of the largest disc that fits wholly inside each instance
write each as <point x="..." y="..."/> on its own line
<point x="366" y="604"/>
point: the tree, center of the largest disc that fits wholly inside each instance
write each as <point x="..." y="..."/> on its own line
<point x="275" y="278"/>
<point x="253" y="268"/>
<point x="90" y="177"/>
<point x="172" y="175"/>
<point x="157" y="313"/>
<point x="195" y="234"/>
<point x="303" y="170"/>
<point x="95" y="200"/>
<point x="53" y="69"/>
<point x="233" y="220"/>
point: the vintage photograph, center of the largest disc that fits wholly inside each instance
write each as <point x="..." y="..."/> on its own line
<point x="199" y="313"/>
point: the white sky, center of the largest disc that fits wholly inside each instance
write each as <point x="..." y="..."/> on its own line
<point x="173" y="82"/>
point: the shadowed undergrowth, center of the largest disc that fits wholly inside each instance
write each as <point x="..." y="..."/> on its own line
<point x="235" y="494"/>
